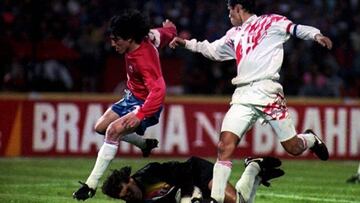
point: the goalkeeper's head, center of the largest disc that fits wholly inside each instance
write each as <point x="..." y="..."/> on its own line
<point x="130" y="24"/>
<point x="120" y="185"/>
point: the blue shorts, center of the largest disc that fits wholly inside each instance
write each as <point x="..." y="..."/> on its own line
<point x="129" y="103"/>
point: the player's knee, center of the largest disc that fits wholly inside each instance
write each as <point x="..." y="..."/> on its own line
<point x="225" y="148"/>
<point x="101" y="126"/>
<point x="112" y="132"/>
<point x="99" y="129"/>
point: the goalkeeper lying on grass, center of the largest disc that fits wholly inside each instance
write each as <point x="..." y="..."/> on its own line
<point x="187" y="182"/>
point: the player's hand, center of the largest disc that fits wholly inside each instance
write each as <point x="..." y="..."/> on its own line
<point x="168" y="23"/>
<point x="177" y="41"/>
<point x="130" y="121"/>
<point x="323" y="40"/>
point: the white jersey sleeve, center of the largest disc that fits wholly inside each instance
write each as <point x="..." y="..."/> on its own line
<point x="285" y="26"/>
<point x="219" y="50"/>
<point x="304" y="32"/>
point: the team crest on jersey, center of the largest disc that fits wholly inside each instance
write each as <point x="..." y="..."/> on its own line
<point x="131" y="69"/>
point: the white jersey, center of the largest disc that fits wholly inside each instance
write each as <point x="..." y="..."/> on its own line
<point x="257" y="46"/>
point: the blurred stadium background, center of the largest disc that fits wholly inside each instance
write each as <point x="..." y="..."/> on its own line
<point x="58" y="74"/>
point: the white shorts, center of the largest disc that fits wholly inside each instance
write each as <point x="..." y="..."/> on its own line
<point x="262" y="100"/>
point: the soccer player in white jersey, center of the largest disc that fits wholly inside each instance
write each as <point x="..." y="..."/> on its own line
<point x="256" y="42"/>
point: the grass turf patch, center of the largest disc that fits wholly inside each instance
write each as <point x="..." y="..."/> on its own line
<point x="43" y="180"/>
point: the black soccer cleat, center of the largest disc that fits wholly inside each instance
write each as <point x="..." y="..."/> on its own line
<point x="319" y="147"/>
<point x="268" y="168"/>
<point x="269" y="174"/>
<point x="200" y="200"/>
<point x="264" y="163"/>
<point x="84" y="192"/>
<point x="354" y="179"/>
<point x="150" y="145"/>
<point x="196" y="200"/>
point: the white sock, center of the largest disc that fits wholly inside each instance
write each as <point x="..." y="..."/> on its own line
<point x="221" y="174"/>
<point x="134" y="139"/>
<point x="308" y="139"/>
<point x="106" y="153"/>
<point x="245" y="184"/>
<point x="358" y="172"/>
<point x="255" y="187"/>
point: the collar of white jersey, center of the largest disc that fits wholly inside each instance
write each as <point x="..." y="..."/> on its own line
<point x="249" y="20"/>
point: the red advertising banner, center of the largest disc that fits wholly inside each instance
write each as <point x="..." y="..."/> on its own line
<point x="63" y="126"/>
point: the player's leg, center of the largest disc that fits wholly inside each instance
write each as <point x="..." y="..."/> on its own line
<point x="104" y="121"/>
<point x="107" y="151"/>
<point x="257" y="171"/>
<point x="120" y="109"/>
<point x="114" y="132"/>
<point x="105" y="155"/>
<point x="223" y="166"/>
<point x="274" y="110"/>
<point x="296" y="144"/>
<point x="117" y="131"/>
<point x="236" y="122"/>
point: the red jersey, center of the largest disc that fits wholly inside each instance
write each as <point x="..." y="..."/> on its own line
<point x="143" y="69"/>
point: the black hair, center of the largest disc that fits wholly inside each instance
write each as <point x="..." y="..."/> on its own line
<point x="248" y="5"/>
<point x="130" y="24"/>
<point x="113" y="184"/>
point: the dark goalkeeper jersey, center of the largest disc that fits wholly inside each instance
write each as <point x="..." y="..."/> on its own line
<point x="159" y="182"/>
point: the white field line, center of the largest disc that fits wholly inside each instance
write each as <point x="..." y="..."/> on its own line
<point x="296" y="197"/>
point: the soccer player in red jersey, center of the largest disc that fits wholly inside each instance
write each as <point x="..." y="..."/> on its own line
<point x="141" y="105"/>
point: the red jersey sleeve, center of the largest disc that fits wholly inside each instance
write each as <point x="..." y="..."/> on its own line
<point x="161" y="37"/>
<point x="154" y="100"/>
<point x="155" y="84"/>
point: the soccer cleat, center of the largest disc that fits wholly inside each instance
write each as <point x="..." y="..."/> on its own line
<point x="264" y="163"/>
<point x="84" y="192"/>
<point x="268" y="168"/>
<point x="354" y="179"/>
<point x="319" y="147"/>
<point x="196" y="200"/>
<point x="150" y="145"/>
<point x="269" y="174"/>
<point x="199" y="200"/>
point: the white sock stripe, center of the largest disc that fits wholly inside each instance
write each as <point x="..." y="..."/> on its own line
<point x="225" y="163"/>
<point x="111" y="142"/>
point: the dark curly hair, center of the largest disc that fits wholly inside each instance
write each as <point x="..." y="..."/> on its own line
<point x="248" y="5"/>
<point x="112" y="185"/>
<point x="130" y="24"/>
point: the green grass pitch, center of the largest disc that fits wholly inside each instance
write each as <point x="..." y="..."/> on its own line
<point x="44" y="180"/>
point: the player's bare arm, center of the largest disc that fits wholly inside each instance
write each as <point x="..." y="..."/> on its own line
<point x="323" y="41"/>
<point x="177" y="41"/>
